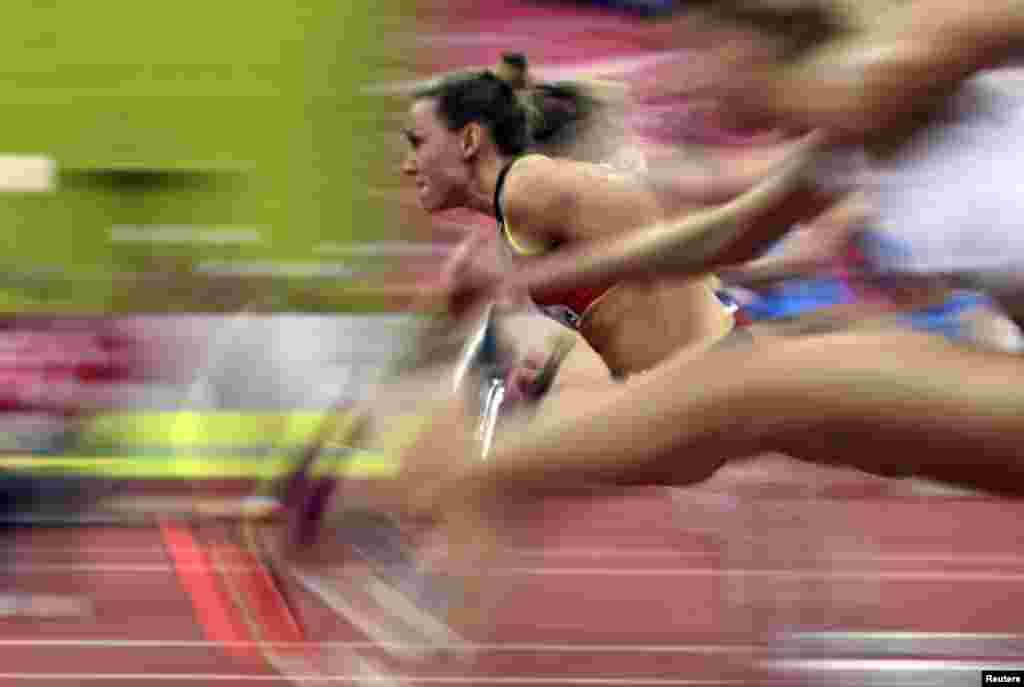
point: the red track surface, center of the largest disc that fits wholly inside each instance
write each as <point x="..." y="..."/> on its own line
<point x="652" y="586"/>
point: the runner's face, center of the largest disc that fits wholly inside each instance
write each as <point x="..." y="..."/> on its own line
<point x="435" y="161"/>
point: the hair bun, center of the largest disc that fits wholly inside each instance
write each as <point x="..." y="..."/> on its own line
<point x="514" y="70"/>
<point x="514" y="59"/>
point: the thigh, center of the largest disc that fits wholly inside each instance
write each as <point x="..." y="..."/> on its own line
<point x="902" y="404"/>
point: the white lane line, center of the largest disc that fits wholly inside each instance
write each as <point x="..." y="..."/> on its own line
<point x="73" y="548"/>
<point x="874" y="556"/>
<point x="823" y="552"/>
<point x="901" y="644"/>
<point x="965" y="559"/>
<point x="540" y="647"/>
<point x="883" y="665"/>
<point x="365" y="679"/>
<point x="583" y="552"/>
<point x="504" y="647"/>
<point x="111" y="567"/>
<point x="144" y="556"/>
<point x="889" y="575"/>
<point x="902" y="636"/>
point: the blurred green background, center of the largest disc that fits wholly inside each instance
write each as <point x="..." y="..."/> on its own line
<point x="242" y="121"/>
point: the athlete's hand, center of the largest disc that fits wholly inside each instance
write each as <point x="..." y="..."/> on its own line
<point x="523" y="378"/>
<point x="475" y="273"/>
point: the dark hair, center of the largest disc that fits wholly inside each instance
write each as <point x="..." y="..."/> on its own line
<point x="513" y="70"/>
<point x="482" y="97"/>
<point x="515" y="110"/>
<point x="560" y="110"/>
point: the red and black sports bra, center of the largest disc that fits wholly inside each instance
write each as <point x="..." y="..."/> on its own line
<point x="568" y="307"/>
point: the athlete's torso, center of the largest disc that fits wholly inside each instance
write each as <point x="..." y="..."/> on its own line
<point x="633" y="325"/>
<point x="568" y="307"/>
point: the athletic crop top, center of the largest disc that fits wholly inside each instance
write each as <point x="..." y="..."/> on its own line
<point x="567" y="307"/>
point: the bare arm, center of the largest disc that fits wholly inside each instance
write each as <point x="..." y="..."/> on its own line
<point x="915" y="53"/>
<point x="568" y="207"/>
<point x="807" y="250"/>
<point x="695" y="245"/>
<point x="694" y="176"/>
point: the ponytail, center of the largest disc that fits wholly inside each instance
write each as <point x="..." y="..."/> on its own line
<point x="556" y="112"/>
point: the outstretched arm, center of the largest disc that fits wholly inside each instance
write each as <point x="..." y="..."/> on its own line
<point x="911" y="55"/>
<point x="721" y="235"/>
<point x="808" y="249"/>
<point x="693" y="177"/>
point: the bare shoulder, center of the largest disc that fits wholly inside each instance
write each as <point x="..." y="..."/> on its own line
<point x="545" y="177"/>
<point x="538" y="195"/>
<point x="960" y="31"/>
<point x="540" y="174"/>
<point x="561" y="200"/>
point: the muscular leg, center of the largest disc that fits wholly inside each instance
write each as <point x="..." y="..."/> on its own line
<point x="886" y="403"/>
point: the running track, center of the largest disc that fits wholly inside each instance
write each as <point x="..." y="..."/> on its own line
<point x="775" y="573"/>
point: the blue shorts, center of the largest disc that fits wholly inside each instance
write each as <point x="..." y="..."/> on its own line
<point x="795" y="298"/>
<point x="946" y="318"/>
<point x="798" y="297"/>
